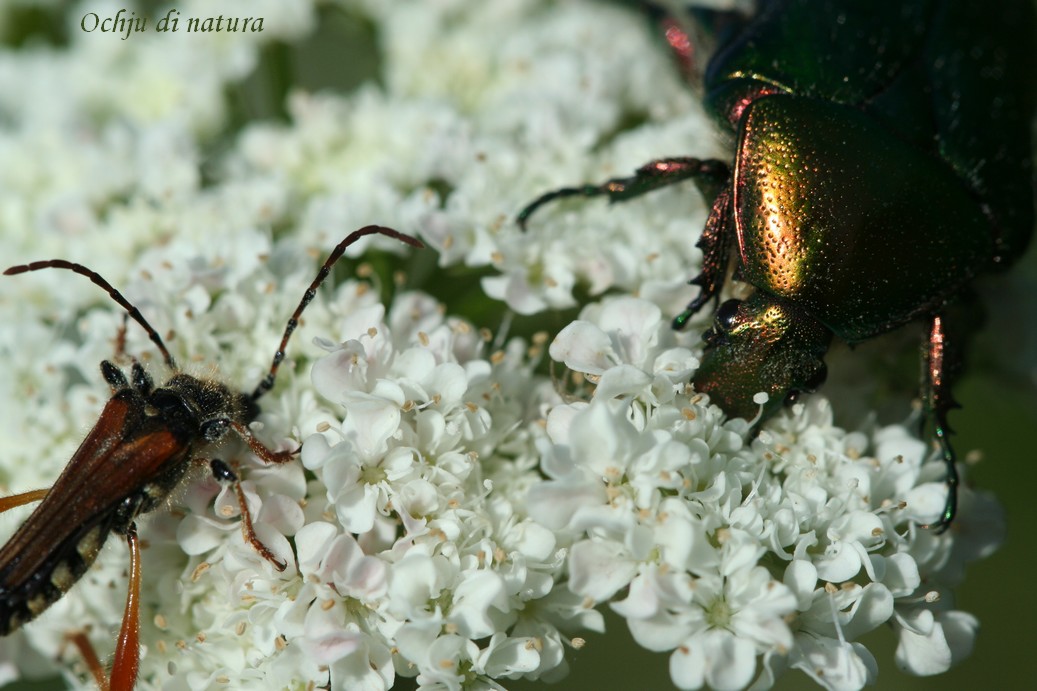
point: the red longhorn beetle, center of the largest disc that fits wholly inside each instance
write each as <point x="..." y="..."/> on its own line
<point x="138" y="451"/>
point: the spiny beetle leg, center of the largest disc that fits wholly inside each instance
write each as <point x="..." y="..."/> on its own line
<point x="257" y="447"/>
<point x="222" y="472"/>
<point x="213" y="430"/>
<point x="950" y="508"/>
<point x="126" y="662"/>
<point x="715" y="244"/>
<point x="249" y="531"/>
<point x="7" y="503"/>
<point x="709" y="174"/>
<point x="941" y="359"/>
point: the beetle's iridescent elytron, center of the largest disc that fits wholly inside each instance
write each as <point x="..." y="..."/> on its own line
<point x="883" y="160"/>
<point x="138" y="451"/>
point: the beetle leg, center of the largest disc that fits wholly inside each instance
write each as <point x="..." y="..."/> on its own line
<point x="89" y="655"/>
<point x="941" y="362"/>
<point x="127" y="649"/>
<point x="715" y="244"/>
<point x="249" y="531"/>
<point x="710" y="175"/>
<point x="222" y="472"/>
<point x="268" y="455"/>
<point x="14" y="500"/>
<point x="120" y="338"/>
<point x="126" y="661"/>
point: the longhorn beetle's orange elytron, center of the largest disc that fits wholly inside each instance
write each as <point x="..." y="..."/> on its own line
<point x="138" y="451"/>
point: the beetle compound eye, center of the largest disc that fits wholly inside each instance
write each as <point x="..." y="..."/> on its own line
<point x="213" y="430"/>
<point x="724" y="320"/>
<point x="723" y="323"/>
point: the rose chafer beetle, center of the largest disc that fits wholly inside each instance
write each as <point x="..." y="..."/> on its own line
<point x="883" y="160"/>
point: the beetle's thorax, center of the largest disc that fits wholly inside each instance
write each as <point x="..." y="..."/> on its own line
<point x="818" y="188"/>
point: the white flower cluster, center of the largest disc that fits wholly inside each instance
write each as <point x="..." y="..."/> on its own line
<point x="785" y="550"/>
<point x="454" y="516"/>
<point x="409" y="545"/>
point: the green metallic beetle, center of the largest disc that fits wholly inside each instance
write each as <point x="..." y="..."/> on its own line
<point x="883" y="160"/>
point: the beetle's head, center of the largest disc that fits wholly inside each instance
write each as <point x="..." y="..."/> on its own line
<point x="761" y="344"/>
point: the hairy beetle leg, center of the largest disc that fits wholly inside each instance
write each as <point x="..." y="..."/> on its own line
<point x="127" y="650"/>
<point x="257" y="447"/>
<point x="126" y="661"/>
<point x="8" y="503"/>
<point x="213" y="430"/>
<point x="222" y="472"/>
<point x="249" y="531"/>
<point x="710" y="175"/>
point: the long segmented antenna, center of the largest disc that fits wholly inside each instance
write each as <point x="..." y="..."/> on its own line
<point x="98" y="279"/>
<point x="311" y="292"/>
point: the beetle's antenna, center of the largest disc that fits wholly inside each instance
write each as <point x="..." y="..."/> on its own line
<point x="98" y="280"/>
<point x="336" y="254"/>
